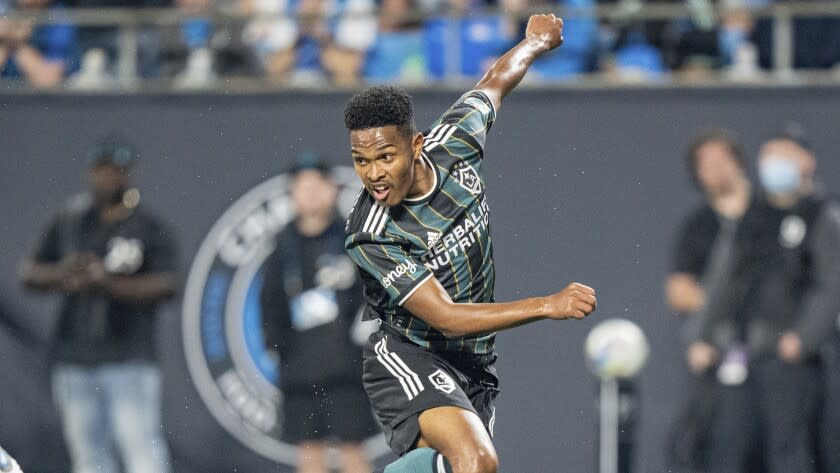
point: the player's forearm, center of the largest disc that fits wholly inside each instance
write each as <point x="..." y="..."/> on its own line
<point x="472" y="319"/>
<point x="432" y="304"/>
<point x="507" y="72"/>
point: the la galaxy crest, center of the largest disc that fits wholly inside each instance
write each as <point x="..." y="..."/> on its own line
<point x="467" y="177"/>
<point x="234" y="374"/>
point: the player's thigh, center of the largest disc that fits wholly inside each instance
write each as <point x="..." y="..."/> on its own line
<point x="460" y="436"/>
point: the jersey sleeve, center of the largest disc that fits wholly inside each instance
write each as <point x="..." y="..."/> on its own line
<point x="463" y="127"/>
<point x="389" y="262"/>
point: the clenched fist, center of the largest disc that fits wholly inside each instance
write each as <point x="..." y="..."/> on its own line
<point x="575" y="301"/>
<point x="545" y="31"/>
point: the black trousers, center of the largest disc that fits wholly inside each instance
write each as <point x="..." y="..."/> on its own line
<point x="768" y="423"/>
<point x="830" y="417"/>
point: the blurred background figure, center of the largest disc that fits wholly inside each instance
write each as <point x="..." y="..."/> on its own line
<point x="311" y="300"/>
<point x="715" y="164"/>
<point x="113" y="263"/>
<point x="104" y="61"/>
<point x="464" y="39"/>
<point x="770" y="309"/>
<point x="309" y="42"/>
<point x="40" y="55"/>
<point x="398" y="51"/>
<point x="197" y="51"/>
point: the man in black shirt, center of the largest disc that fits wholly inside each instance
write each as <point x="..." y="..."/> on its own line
<point x="777" y="296"/>
<point x="113" y="262"/>
<point x="310" y="300"/>
<point x="715" y="163"/>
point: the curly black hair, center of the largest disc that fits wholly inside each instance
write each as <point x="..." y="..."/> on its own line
<point x="380" y="106"/>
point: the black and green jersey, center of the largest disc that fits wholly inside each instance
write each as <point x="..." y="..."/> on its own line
<point x="444" y="234"/>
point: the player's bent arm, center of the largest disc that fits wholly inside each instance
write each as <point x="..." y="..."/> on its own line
<point x="431" y="303"/>
<point x="544" y="33"/>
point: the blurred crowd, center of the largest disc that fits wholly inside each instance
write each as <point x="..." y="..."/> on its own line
<point x="345" y="42"/>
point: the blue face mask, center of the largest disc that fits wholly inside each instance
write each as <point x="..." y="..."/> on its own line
<point x="778" y="175"/>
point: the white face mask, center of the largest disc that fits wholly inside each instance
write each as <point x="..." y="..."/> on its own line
<point x="779" y="174"/>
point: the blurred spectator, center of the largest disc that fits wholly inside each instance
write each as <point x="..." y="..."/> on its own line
<point x="40" y="55"/>
<point x="310" y="41"/>
<point x="101" y="64"/>
<point x="398" y="52"/>
<point x="716" y="165"/>
<point x="197" y="51"/>
<point x="465" y="42"/>
<point x="769" y="312"/>
<point x="633" y="58"/>
<point x="310" y="299"/>
<point x="113" y="263"/>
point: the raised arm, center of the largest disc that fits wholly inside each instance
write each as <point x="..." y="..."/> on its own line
<point x="544" y="33"/>
<point x="432" y="304"/>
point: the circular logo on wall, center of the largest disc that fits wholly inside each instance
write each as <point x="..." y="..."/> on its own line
<point x="234" y="374"/>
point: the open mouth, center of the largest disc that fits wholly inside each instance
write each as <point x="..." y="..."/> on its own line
<point x="380" y="191"/>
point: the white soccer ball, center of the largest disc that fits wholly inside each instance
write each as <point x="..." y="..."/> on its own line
<point x="616" y="348"/>
<point x="8" y="464"/>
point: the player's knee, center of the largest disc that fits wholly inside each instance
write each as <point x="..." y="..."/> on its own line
<point x="488" y="463"/>
<point x="474" y="460"/>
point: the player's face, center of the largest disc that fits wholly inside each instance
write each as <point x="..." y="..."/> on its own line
<point x="384" y="159"/>
<point x="717" y="169"/>
<point x="314" y="195"/>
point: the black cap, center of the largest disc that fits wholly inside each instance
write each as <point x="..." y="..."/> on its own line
<point x="112" y="150"/>
<point x="309" y="161"/>
<point x="794" y="132"/>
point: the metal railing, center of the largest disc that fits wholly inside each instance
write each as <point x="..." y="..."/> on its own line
<point x="130" y="21"/>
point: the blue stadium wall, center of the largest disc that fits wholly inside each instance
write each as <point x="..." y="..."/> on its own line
<point x="584" y="185"/>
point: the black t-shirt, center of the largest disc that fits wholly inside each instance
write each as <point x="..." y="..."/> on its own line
<point x="95" y="328"/>
<point x="310" y="299"/>
<point x="695" y="239"/>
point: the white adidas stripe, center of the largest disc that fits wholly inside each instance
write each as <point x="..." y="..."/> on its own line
<point x="387" y="365"/>
<point x="432" y="140"/>
<point x="441" y="137"/>
<point x="408" y="379"/>
<point x="372" y="212"/>
<point x="435" y="138"/>
<point x="373" y="218"/>
<point x="382" y="221"/>
<point x="433" y="134"/>
<point x="441" y="468"/>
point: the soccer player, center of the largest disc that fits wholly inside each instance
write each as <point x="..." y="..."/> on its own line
<point x="420" y="234"/>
